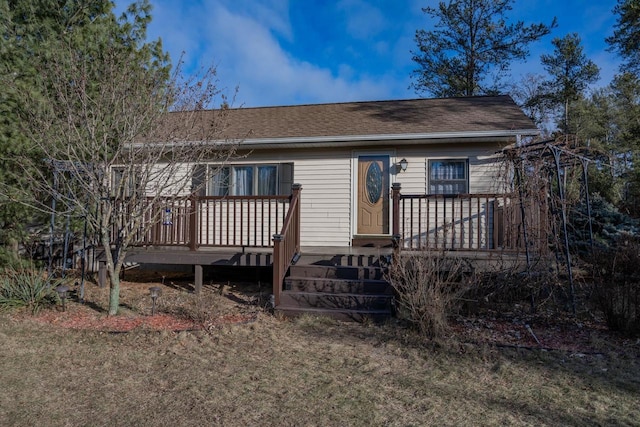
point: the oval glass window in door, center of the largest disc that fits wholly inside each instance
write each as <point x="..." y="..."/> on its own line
<point x="374" y="182"/>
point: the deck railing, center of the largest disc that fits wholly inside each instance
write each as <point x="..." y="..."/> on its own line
<point x="225" y="221"/>
<point x="467" y="221"/>
<point x="286" y="244"/>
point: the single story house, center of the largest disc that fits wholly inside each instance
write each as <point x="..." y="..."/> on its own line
<point x="335" y="178"/>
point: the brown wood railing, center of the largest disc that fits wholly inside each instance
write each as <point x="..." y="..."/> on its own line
<point x="466" y="221"/>
<point x="240" y="220"/>
<point x="286" y="244"/>
<point x="225" y="221"/>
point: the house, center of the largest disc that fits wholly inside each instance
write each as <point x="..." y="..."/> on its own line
<point x="418" y="173"/>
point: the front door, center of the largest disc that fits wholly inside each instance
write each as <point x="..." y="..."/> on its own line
<point x="373" y="194"/>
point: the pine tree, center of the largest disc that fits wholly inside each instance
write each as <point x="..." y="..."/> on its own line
<point x="626" y="36"/>
<point x="571" y="73"/>
<point x="471" y="47"/>
<point x="96" y="89"/>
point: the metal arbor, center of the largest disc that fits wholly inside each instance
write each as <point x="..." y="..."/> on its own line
<point x="547" y="165"/>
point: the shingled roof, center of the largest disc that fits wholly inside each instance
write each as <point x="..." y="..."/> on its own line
<point x="424" y="118"/>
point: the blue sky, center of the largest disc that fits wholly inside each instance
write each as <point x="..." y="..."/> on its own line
<point x="285" y="52"/>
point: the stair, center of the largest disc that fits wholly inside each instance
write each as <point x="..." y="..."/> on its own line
<point x="343" y="292"/>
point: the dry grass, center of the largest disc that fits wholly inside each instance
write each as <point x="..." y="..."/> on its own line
<point x="307" y="371"/>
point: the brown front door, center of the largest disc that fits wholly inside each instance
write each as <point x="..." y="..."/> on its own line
<point x="373" y="195"/>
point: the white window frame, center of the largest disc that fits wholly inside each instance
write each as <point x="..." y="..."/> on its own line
<point x="457" y="181"/>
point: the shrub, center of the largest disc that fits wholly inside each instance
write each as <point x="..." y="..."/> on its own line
<point x="26" y="287"/>
<point x="608" y="224"/>
<point x="616" y="279"/>
<point x="501" y="286"/>
<point x="9" y="259"/>
<point x="428" y="287"/>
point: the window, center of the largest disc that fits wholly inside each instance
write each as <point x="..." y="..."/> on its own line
<point x="448" y="176"/>
<point x="218" y="184"/>
<point x="243" y="180"/>
<point x="267" y="180"/>
<point x="123" y="181"/>
<point x="241" y="183"/>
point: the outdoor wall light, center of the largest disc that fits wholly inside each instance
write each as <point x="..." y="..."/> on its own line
<point x="402" y="165"/>
<point x="155" y="292"/>
<point x="62" y="293"/>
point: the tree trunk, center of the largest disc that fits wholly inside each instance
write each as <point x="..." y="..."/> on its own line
<point x="114" y="295"/>
<point x="113" y="270"/>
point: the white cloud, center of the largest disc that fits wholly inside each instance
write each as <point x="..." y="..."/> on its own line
<point x="243" y="43"/>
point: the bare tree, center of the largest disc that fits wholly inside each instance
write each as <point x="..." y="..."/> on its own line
<point x="126" y="138"/>
<point x="531" y="95"/>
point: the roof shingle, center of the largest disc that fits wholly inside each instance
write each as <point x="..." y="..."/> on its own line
<point x="414" y="116"/>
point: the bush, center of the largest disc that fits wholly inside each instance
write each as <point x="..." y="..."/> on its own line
<point x="502" y="286"/>
<point x="26" y="287"/>
<point x="428" y="287"/>
<point x="9" y="259"/>
<point x="608" y="224"/>
<point x="616" y="279"/>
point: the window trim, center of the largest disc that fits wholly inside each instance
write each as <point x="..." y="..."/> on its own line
<point x="431" y="181"/>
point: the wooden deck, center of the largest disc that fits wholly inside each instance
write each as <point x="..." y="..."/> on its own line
<point x="485" y="230"/>
<point x="309" y="255"/>
<point x="253" y="257"/>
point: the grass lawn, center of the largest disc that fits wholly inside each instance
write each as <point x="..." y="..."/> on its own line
<point x="306" y="371"/>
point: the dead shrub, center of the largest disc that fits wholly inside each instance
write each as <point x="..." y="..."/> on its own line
<point x="503" y="286"/>
<point x="428" y="288"/>
<point x="202" y="308"/>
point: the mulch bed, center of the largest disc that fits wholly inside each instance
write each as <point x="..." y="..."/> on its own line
<point x="135" y="312"/>
<point x="89" y="319"/>
<point x="85" y="318"/>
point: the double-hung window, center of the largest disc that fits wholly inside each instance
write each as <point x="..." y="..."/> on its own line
<point x="448" y="176"/>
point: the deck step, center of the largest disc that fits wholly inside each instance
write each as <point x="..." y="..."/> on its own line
<point x="337" y="286"/>
<point x="338" y="272"/>
<point x="346" y="260"/>
<point x="337" y="301"/>
<point x="346" y="315"/>
<point x="329" y="288"/>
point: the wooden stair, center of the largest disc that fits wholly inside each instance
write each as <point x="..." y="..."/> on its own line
<point x="344" y="292"/>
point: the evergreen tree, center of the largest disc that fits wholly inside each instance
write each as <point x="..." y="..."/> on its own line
<point x="471" y="47"/>
<point x="608" y="123"/>
<point x="571" y="73"/>
<point x="86" y="91"/>
<point x="626" y="98"/>
<point x="34" y="35"/>
<point x="626" y="36"/>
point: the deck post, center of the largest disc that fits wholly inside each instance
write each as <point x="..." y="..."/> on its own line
<point x="193" y="223"/>
<point x="395" y="194"/>
<point x="278" y="274"/>
<point x="197" y="278"/>
<point x="102" y="273"/>
<point x="295" y="194"/>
